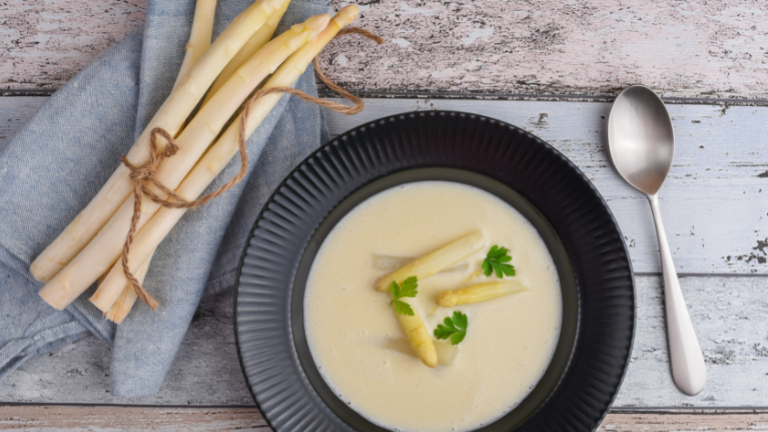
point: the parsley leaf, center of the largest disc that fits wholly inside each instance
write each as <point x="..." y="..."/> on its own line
<point x="454" y="328"/>
<point x="495" y="261"/>
<point x="407" y="289"/>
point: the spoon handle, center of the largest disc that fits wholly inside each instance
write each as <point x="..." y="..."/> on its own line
<point x="688" y="368"/>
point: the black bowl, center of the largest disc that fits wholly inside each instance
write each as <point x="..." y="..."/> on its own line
<point x="572" y="218"/>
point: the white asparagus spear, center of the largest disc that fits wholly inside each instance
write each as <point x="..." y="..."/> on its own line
<point x="199" y="36"/>
<point x="124" y="303"/>
<point x="199" y="41"/>
<point x="171" y="117"/>
<point x="476" y="293"/>
<point x="258" y="40"/>
<point x="446" y="352"/>
<point x="434" y="261"/>
<point x="390" y="263"/>
<point x="418" y="336"/>
<point x="217" y="157"/>
<point x="97" y="256"/>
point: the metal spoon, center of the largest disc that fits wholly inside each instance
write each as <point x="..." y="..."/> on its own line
<point x="642" y="143"/>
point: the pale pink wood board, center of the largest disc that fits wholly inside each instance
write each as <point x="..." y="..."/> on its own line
<point x="714" y="49"/>
<point x="103" y="418"/>
<point x="45" y="43"/>
<point x="717" y="48"/>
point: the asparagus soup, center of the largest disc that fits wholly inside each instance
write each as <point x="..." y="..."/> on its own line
<point x="433" y="306"/>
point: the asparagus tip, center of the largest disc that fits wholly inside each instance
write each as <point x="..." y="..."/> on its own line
<point x="446" y="299"/>
<point x="272" y="5"/>
<point x="346" y="15"/>
<point x="314" y="25"/>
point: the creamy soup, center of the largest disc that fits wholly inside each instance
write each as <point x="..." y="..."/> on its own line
<point x="359" y="346"/>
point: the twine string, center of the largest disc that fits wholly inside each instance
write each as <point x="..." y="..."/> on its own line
<point x="144" y="177"/>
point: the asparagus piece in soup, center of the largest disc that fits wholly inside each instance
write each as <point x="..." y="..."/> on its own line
<point x="478" y="293"/>
<point x="390" y="263"/>
<point x="410" y="320"/>
<point x="435" y="261"/>
<point x="418" y="336"/>
<point x="446" y="352"/>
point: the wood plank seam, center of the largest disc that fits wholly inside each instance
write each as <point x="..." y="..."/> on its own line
<point x="324" y="92"/>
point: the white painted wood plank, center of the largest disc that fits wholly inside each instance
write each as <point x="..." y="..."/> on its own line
<point x="712" y="202"/>
<point x="730" y="315"/>
<point x="205" y="371"/>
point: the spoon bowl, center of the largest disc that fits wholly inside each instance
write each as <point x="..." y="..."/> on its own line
<point x="641" y="138"/>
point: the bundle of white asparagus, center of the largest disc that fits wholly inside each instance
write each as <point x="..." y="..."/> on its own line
<point x="241" y="60"/>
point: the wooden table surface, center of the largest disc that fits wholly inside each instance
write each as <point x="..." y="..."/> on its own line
<point x="550" y="67"/>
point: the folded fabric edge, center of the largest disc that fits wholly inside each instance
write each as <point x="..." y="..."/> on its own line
<point x="77" y="88"/>
<point x="21" y="350"/>
<point x="17" y="350"/>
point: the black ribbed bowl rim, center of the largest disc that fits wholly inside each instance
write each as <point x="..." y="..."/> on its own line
<point x="446" y="139"/>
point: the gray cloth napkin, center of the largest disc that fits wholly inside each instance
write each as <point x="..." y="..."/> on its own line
<point x="59" y="160"/>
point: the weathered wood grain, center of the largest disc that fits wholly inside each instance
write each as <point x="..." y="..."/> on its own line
<point x="14" y="112"/>
<point x="685" y="420"/>
<point x="487" y="48"/>
<point x="46" y="43"/>
<point x="590" y="47"/>
<point x="729" y="314"/>
<point x="101" y="418"/>
<point x="110" y="418"/>
<point x="205" y="371"/>
<point x="712" y="202"/>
